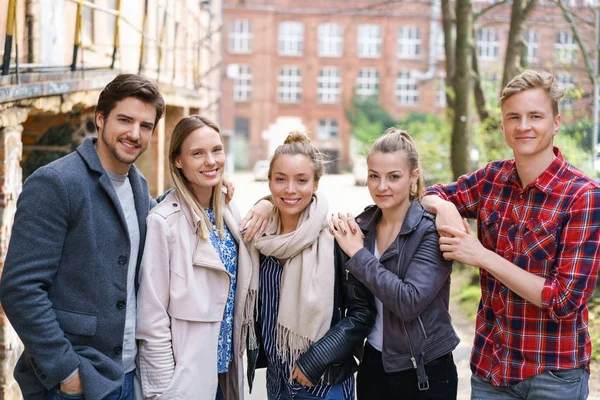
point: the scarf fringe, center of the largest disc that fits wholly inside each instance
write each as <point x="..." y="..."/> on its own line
<point x="290" y="346"/>
<point x="248" y="339"/>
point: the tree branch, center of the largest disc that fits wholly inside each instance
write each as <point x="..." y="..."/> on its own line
<point x="528" y="9"/>
<point x="488" y="8"/>
<point x="589" y="66"/>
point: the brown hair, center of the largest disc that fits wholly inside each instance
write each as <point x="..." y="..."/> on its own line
<point x="531" y="79"/>
<point x="298" y="143"/>
<point x="394" y="140"/>
<point x="130" y="85"/>
<point x="182" y="186"/>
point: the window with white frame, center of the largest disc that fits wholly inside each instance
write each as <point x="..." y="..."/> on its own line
<point x="488" y="44"/>
<point x="240" y="37"/>
<point x="565" y="47"/>
<point x="327" y="129"/>
<point x="565" y="81"/>
<point x="329" y="85"/>
<point x="532" y="43"/>
<point x="331" y="40"/>
<point x="440" y="50"/>
<point x="290" y="85"/>
<point x="367" y="82"/>
<point x="441" y="91"/>
<point x="409" y="42"/>
<point x="369" y="41"/>
<point x="291" y="38"/>
<point x="242" y="82"/>
<point x="407" y="90"/>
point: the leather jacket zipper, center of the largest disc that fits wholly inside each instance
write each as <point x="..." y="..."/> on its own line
<point x="422" y="326"/>
<point x="412" y="354"/>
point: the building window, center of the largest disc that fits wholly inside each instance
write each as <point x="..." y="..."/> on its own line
<point x="331" y="40"/>
<point x="242" y="82"/>
<point x="291" y="38"/>
<point x="290" y="85"/>
<point x="565" y="81"/>
<point x="532" y="43"/>
<point x="441" y="91"/>
<point x="407" y="91"/>
<point x="367" y="82"/>
<point x="329" y="85"/>
<point x="240" y="37"/>
<point x="565" y="47"/>
<point x="488" y="44"/>
<point x="87" y="28"/>
<point x="327" y="129"/>
<point x="369" y="41"/>
<point x="409" y="42"/>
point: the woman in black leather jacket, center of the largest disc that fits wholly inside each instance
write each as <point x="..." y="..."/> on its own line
<point x="311" y="317"/>
<point x="409" y="351"/>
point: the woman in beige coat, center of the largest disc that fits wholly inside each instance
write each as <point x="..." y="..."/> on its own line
<point x="195" y="263"/>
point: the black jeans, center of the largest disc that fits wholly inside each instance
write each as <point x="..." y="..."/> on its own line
<point x="373" y="383"/>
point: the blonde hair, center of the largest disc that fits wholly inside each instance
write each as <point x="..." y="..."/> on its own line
<point x="394" y="140"/>
<point x="182" y="186"/>
<point x="531" y="79"/>
<point x="298" y="143"/>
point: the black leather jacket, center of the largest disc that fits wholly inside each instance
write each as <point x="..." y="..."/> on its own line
<point x="412" y="280"/>
<point x="331" y="359"/>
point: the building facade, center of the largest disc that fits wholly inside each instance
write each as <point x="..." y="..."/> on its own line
<point x="47" y="96"/>
<point x="296" y="64"/>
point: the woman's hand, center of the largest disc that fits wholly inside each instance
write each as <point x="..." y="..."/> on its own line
<point x="255" y="222"/>
<point x="299" y="377"/>
<point x="346" y="232"/>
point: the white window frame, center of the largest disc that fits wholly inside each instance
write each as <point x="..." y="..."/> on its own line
<point x="565" y="47"/>
<point x="327" y="129"/>
<point x="289" y="88"/>
<point x="407" y="89"/>
<point x="440" y="93"/>
<point x="369" y="41"/>
<point x="408" y="45"/>
<point x="532" y="41"/>
<point x="331" y="40"/>
<point x="367" y="82"/>
<point x="488" y="44"/>
<point x="240" y="37"/>
<point x="242" y="83"/>
<point x="566" y="81"/>
<point x="291" y="38"/>
<point x="329" y="85"/>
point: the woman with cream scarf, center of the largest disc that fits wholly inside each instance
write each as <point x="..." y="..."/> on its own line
<point x="306" y="318"/>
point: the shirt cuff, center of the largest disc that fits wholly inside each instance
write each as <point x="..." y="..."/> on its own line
<point x="548" y="298"/>
<point x="71" y="375"/>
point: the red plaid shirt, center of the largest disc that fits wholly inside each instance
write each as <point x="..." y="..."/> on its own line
<point x="550" y="228"/>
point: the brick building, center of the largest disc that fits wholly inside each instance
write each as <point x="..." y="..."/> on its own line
<point x="297" y="63"/>
<point x="47" y="97"/>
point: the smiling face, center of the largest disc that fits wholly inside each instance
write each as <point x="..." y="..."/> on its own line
<point x="202" y="161"/>
<point x="124" y="134"/>
<point x="390" y="179"/>
<point x="529" y="126"/>
<point x="292" y="184"/>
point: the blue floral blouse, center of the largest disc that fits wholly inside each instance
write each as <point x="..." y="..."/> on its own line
<point x="227" y="249"/>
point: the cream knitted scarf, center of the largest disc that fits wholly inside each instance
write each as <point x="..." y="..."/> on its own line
<point x="307" y="283"/>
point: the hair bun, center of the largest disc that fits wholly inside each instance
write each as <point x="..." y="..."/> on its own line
<point x="296" y="136"/>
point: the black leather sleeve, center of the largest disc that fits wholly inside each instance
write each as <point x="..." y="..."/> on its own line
<point x="355" y="309"/>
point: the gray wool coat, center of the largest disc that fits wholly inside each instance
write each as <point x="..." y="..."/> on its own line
<point x="65" y="277"/>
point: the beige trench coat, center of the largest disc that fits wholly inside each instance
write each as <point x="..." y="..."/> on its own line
<point x="183" y="289"/>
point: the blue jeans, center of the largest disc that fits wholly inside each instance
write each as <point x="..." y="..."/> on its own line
<point x="563" y="384"/>
<point x="336" y="393"/>
<point x="125" y="392"/>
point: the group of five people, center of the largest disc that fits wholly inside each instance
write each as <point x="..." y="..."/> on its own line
<point x="117" y="297"/>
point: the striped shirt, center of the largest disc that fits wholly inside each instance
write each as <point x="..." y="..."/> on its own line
<point x="278" y="369"/>
<point x="550" y="228"/>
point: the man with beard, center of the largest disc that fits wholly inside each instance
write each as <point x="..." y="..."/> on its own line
<point x="68" y="286"/>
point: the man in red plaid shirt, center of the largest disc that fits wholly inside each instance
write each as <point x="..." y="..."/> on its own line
<point x="538" y="250"/>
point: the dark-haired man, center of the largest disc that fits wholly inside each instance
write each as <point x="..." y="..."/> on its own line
<point x="68" y="285"/>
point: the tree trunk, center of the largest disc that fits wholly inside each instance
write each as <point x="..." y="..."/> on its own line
<point x="463" y="88"/>
<point x="515" y="42"/>
<point x="447" y="25"/>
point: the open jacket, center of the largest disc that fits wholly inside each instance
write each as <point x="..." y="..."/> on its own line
<point x="331" y="360"/>
<point x="183" y="291"/>
<point x="412" y="280"/>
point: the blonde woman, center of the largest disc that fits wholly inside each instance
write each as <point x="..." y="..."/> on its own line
<point x="195" y="263"/>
